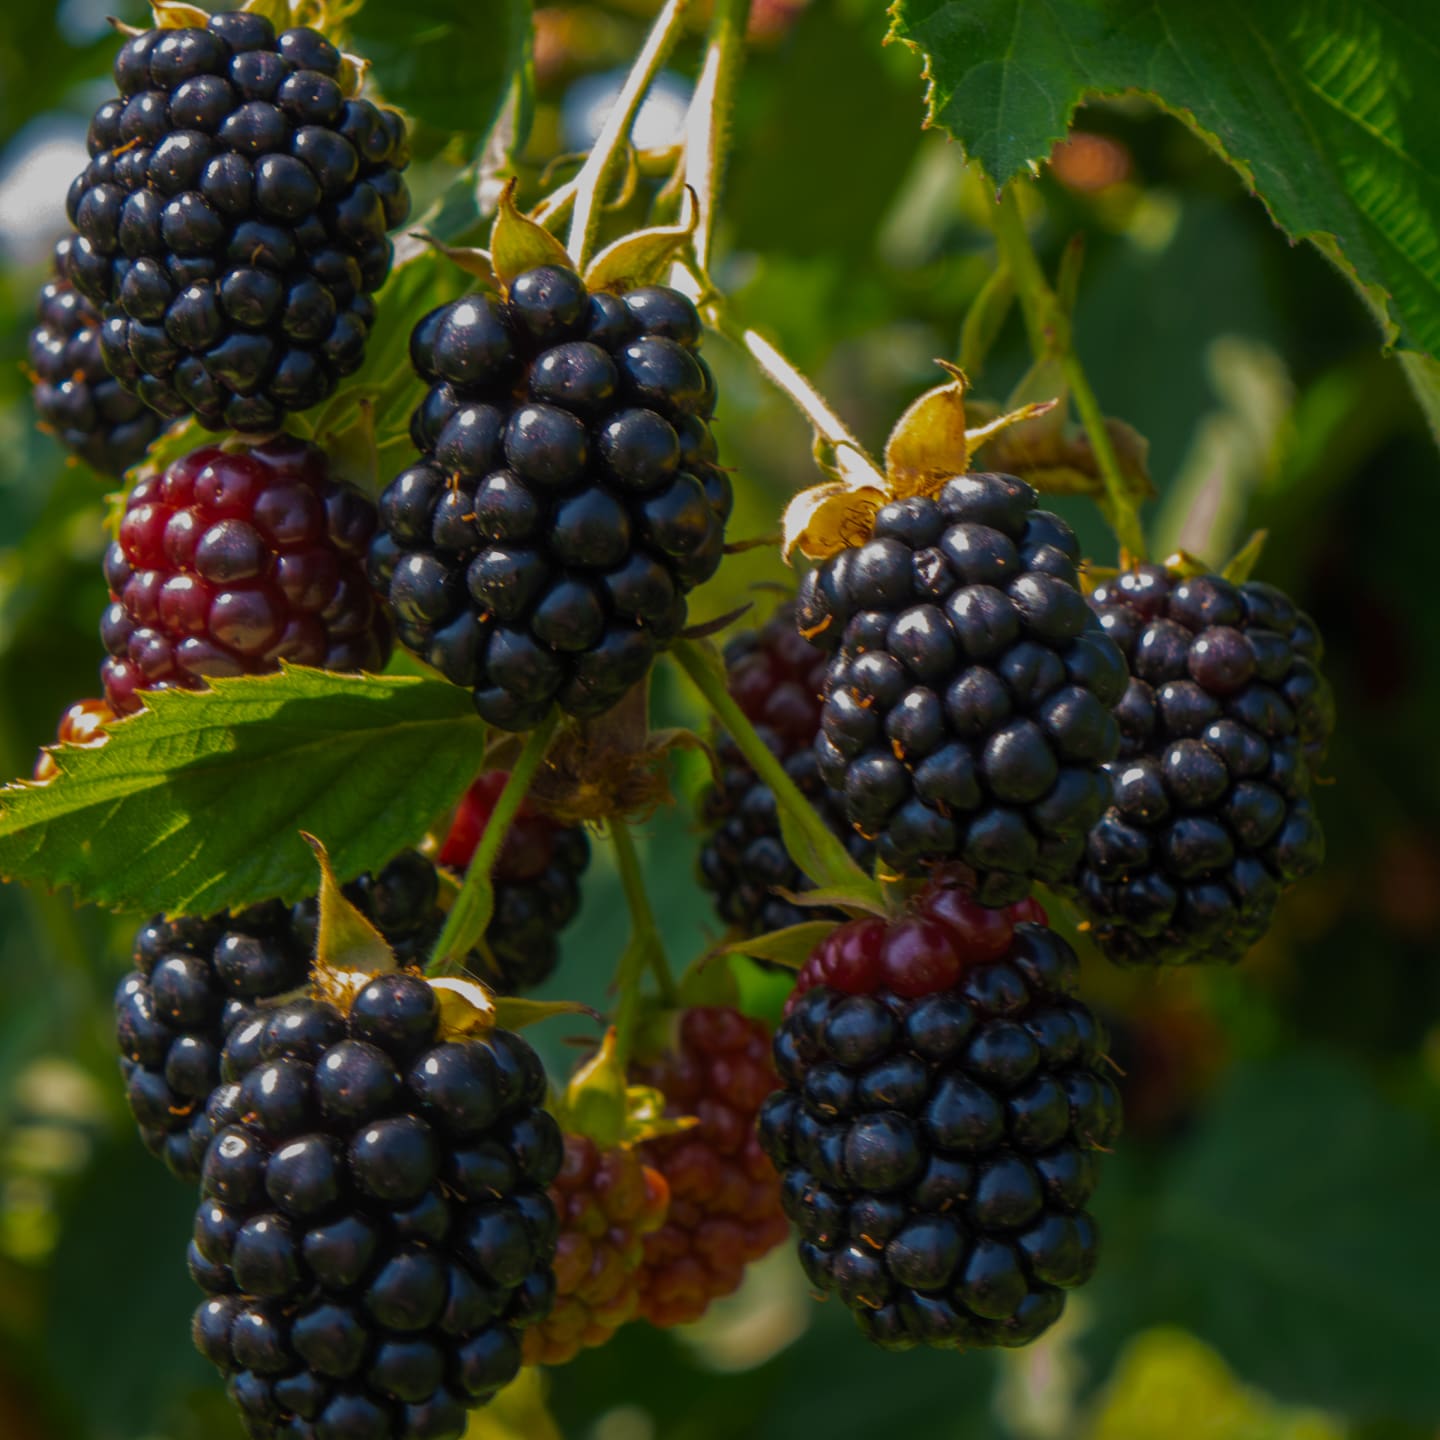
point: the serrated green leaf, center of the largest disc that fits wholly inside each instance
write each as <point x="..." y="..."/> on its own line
<point x="448" y="62"/>
<point x="1327" y="110"/>
<point x="196" y="805"/>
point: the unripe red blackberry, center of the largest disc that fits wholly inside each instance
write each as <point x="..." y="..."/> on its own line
<point x="608" y="1201"/>
<point x="374" y="1229"/>
<point x="77" y="399"/>
<point x="1222" y="725"/>
<point x="943" y="1092"/>
<point x="234" y="560"/>
<point x="566" y="498"/>
<point x="536" y="880"/>
<point x="775" y="676"/>
<point x="724" y="1193"/>
<point x="967" y="697"/>
<point x="189" y="1016"/>
<point x="233" y="220"/>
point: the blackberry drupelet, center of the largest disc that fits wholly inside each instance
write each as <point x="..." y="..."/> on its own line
<point x="566" y="498"/>
<point x="188" y="1017"/>
<point x="775" y="676"/>
<point x="608" y="1201"/>
<point x="724" y="1194"/>
<point x="233" y="220"/>
<point x="374" y="1230"/>
<point x="967" y="699"/>
<point x="77" y="399"/>
<point x="537" y="886"/>
<point x="232" y="561"/>
<point x="1223" y="722"/>
<point x="83" y="724"/>
<point x="943" y="1091"/>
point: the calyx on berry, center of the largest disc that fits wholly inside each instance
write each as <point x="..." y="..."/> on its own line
<point x="928" y="446"/>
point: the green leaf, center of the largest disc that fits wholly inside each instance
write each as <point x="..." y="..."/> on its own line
<point x="790" y="947"/>
<point x="1295" y="1232"/>
<point x="1327" y="110"/>
<point x="450" y="63"/>
<point x="196" y="805"/>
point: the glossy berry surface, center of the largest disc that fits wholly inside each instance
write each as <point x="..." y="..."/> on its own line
<point x="232" y="220"/>
<point x="967" y="698"/>
<point x="189" y="1016"/>
<point x="943" y="1093"/>
<point x="83" y="724"/>
<point x="536" y="880"/>
<point x="374" y="1230"/>
<point x="724" y="1193"/>
<point x="77" y="400"/>
<point x="232" y="561"/>
<point x="608" y="1201"/>
<point x="565" y="499"/>
<point x="1223" y="723"/>
<point x="775" y="676"/>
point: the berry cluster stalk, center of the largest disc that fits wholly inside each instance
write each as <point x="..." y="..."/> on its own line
<point x="1048" y="326"/>
<point x="645" y="948"/>
<point x="707" y="127"/>
<point x="475" y="903"/>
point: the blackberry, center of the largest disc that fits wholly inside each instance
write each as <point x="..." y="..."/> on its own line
<point x="607" y="1201"/>
<point x="233" y="220"/>
<point x="1223" y="722"/>
<point x="724" y="1193"/>
<point x="943" y="1091"/>
<point x="566" y="497"/>
<point x="775" y="676"/>
<point x="83" y="724"/>
<point x="189" y="1016"/>
<point x="232" y="561"/>
<point x="374" y="1230"/>
<point x="537" y="886"/>
<point x="76" y="398"/>
<point x="968" y="693"/>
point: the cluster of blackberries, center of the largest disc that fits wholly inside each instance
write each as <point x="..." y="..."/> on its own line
<point x="968" y="693"/>
<point x="566" y="499"/>
<point x="186" y="1015"/>
<point x="76" y="398"/>
<point x="234" y="560"/>
<point x="536" y="883"/>
<point x="943" y="1092"/>
<point x="374" y="1230"/>
<point x="232" y="221"/>
<point x="775" y="676"/>
<point x="1222" y="723"/>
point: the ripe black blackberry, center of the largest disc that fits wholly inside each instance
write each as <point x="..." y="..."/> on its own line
<point x="233" y="560"/>
<point x="775" y="676"/>
<point x="566" y="499"/>
<point x="537" y="886"/>
<point x="76" y="398"/>
<point x="232" y="219"/>
<point x="943" y="1092"/>
<point x="374" y="1230"/>
<point x="1222" y="724"/>
<point x="188" y="1016"/>
<point x="968" y="693"/>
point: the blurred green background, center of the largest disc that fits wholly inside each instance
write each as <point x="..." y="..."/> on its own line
<point x="1273" y="1252"/>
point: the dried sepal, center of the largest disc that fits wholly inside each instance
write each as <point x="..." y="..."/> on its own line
<point x="174" y="15"/>
<point x="929" y="443"/>
<point x="789" y="947"/>
<point x="1185" y="566"/>
<point x="515" y="1012"/>
<point x="518" y="244"/>
<point x="466" y="1006"/>
<point x="825" y="519"/>
<point x="644" y="257"/>
<point x="1239" y="568"/>
<point x="347" y="942"/>
<point x="470" y="258"/>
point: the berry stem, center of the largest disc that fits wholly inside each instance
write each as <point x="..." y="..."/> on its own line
<point x="594" y="175"/>
<point x="645" y="947"/>
<point x="808" y="839"/>
<point x="474" y="905"/>
<point x="1048" y="325"/>
<point x="708" y="125"/>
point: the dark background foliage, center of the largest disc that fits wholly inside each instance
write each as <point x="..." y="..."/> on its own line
<point x="1272" y="1251"/>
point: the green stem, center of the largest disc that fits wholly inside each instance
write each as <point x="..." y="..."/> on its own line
<point x="1048" y="326"/>
<point x="645" y="946"/>
<point x="594" y="175"/>
<point x="828" y="863"/>
<point x="707" y="137"/>
<point x="475" y="903"/>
